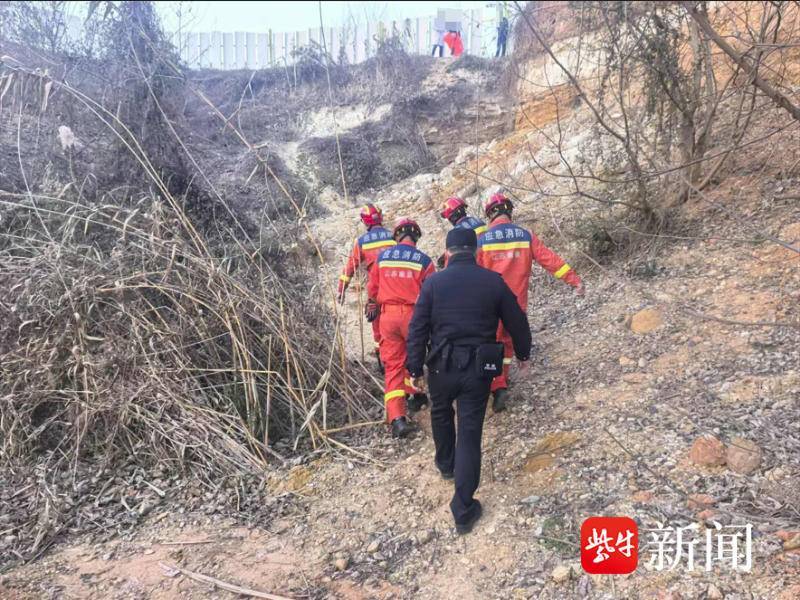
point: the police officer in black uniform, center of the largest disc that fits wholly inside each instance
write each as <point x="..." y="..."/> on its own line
<point x="453" y="327"/>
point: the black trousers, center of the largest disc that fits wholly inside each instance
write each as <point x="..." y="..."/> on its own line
<point x="440" y="47"/>
<point x="459" y="453"/>
<point x="501" y="47"/>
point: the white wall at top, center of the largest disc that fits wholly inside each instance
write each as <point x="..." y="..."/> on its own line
<point x="252" y="50"/>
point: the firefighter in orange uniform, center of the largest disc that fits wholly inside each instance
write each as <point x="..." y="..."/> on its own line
<point x="365" y="252"/>
<point x="510" y="250"/>
<point x="454" y="210"/>
<point x="393" y="288"/>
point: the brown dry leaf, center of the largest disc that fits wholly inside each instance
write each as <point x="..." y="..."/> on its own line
<point x="548" y="447"/>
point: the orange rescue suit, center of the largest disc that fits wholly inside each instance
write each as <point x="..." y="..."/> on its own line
<point x="365" y="252"/>
<point x="395" y="283"/>
<point x="510" y="250"/>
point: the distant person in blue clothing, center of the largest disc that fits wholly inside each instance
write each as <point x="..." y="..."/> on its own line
<point x="502" y="37"/>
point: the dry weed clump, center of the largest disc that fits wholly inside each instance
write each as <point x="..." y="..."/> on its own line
<point x="150" y="338"/>
<point x="151" y="325"/>
<point x="148" y="349"/>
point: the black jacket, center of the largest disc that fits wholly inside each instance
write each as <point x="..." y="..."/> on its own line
<point x="462" y="305"/>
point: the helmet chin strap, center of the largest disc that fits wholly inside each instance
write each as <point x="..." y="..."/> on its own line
<point x="504" y="210"/>
<point x="408" y="235"/>
<point x="457" y="216"/>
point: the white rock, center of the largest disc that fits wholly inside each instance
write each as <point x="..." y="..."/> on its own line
<point x="66" y="137"/>
<point x="562" y="573"/>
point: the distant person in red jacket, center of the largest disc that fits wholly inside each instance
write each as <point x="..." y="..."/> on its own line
<point x="453" y="41"/>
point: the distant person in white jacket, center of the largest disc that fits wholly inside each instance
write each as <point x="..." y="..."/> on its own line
<point x="439" y="43"/>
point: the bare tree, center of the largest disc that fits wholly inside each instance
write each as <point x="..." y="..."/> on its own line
<point x="653" y="92"/>
<point x="750" y="60"/>
<point x="42" y="25"/>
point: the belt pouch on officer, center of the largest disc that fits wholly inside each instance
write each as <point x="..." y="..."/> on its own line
<point x="489" y="360"/>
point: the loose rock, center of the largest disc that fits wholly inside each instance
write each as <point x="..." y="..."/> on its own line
<point x="707" y="451"/>
<point x="561" y="573"/>
<point x="713" y="593"/>
<point x="706" y="515"/>
<point x="743" y="456"/>
<point x="792" y="543"/>
<point x="634" y="377"/>
<point x="643" y="496"/>
<point x="697" y="501"/>
<point x="645" y="321"/>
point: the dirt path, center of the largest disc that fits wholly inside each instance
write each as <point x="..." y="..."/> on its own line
<point x="383" y="530"/>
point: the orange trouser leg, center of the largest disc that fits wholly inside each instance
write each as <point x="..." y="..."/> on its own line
<point x="394" y="330"/>
<point x="501" y="381"/>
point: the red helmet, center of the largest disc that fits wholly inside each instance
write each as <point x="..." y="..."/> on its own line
<point x="451" y="206"/>
<point x="371" y="215"/>
<point x="405" y="226"/>
<point x="497" y="203"/>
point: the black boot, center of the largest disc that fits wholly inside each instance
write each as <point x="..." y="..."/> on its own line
<point x="417" y="402"/>
<point x="400" y="427"/>
<point x="499" y="401"/>
<point x="462" y="528"/>
<point x="381" y="370"/>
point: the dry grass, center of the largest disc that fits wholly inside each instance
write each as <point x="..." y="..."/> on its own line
<point x="132" y="329"/>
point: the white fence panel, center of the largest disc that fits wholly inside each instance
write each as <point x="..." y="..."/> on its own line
<point x="263" y="50"/>
<point x="240" y="54"/>
<point x="425" y="36"/>
<point x="214" y="53"/>
<point x="475" y="31"/>
<point x="228" y="51"/>
<point x="252" y="50"/>
<point x="280" y="49"/>
<point x="192" y="48"/>
<point x="300" y="41"/>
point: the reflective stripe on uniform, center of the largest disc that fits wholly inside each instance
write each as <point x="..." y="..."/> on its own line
<point x="505" y="246"/>
<point x="344" y="278"/>
<point x="562" y="271"/>
<point x="407" y="381"/>
<point x="402" y="264"/>
<point x="393" y="394"/>
<point x="378" y="244"/>
<point x="480" y="230"/>
<point x="507" y="361"/>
